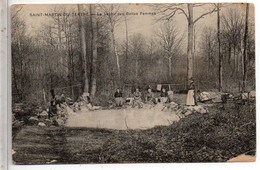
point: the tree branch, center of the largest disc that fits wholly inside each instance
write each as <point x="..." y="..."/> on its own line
<point x="14" y="15"/>
<point x="171" y="10"/>
<point x="203" y="15"/>
<point x="183" y="12"/>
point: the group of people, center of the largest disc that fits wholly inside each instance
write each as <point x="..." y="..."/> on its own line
<point x="165" y="96"/>
<point x="139" y="99"/>
<point x="56" y="101"/>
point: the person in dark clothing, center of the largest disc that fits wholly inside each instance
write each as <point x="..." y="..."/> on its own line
<point x="118" y="97"/>
<point x="118" y="93"/>
<point x="53" y="104"/>
<point x="164" y="93"/>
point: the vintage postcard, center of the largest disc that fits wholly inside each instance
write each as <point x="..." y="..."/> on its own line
<point x="133" y="83"/>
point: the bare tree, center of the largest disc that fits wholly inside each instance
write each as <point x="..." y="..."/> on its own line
<point x="93" y="49"/>
<point x="83" y="49"/>
<point x="168" y="11"/>
<point x="232" y="26"/>
<point x="220" y="70"/>
<point x="208" y="45"/>
<point x="126" y="38"/>
<point x="170" y="42"/>
<point x="17" y="50"/>
<point x="137" y="45"/>
<point x="245" y="49"/>
<point x="111" y="12"/>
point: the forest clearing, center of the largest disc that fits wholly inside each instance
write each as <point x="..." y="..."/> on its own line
<point x="127" y="83"/>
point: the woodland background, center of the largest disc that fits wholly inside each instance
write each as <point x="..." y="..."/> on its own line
<point x="82" y="54"/>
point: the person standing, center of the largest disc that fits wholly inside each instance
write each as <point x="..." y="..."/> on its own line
<point x="118" y="97"/>
<point x="191" y="93"/>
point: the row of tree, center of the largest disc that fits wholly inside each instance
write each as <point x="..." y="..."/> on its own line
<point x="236" y="50"/>
<point x="82" y="54"/>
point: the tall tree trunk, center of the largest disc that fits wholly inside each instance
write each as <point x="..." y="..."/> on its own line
<point x="73" y="73"/>
<point x="83" y="50"/>
<point x="208" y="69"/>
<point x="115" y="52"/>
<point x="229" y="53"/>
<point x="235" y="60"/>
<point x="220" y="67"/>
<point x="59" y="32"/>
<point x="190" y="50"/>
<point x="60" y="49"/>
<point x="126" y="38"/>
<point x="245" y="50"/>
<point x="136" y="67"/>
<point x="194" y="47"/>
<point x="238" y="61"/>
<point x="69" y="62"/>
<point x="170" y="67"/>
<point x="93" y="49"/>
<point x="126" y="49"/>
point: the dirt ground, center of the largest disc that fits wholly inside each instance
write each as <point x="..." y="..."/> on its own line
<point x="226" y="132"/>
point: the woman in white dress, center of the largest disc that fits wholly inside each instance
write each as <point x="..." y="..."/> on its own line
<point x="191" y="94"/>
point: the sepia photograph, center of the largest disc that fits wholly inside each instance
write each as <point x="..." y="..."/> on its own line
<point x="133" y="83"/>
